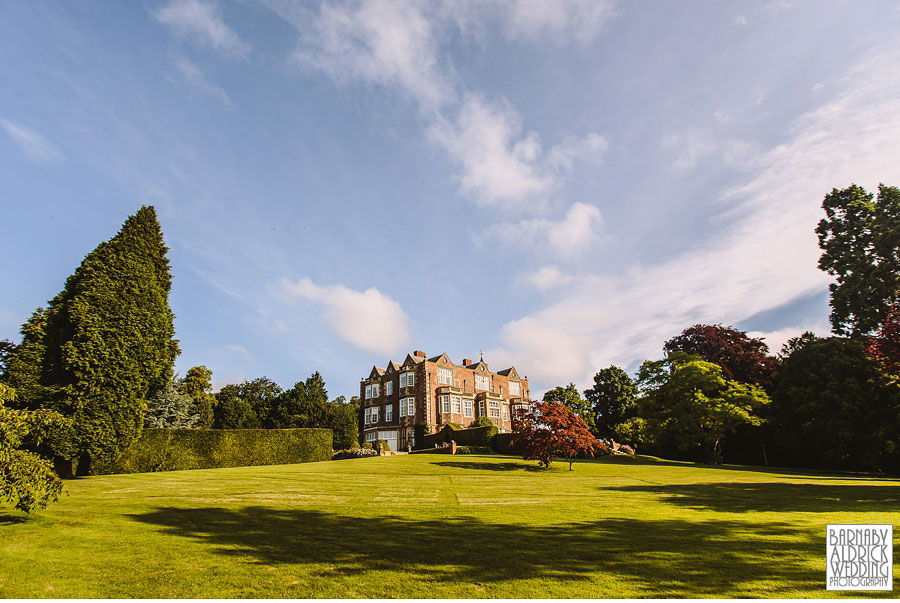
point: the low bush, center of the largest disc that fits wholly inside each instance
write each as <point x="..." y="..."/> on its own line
<point x="179" y="449"/>
<point x="353" y="453"/>
<point x="385" y="447"/>
<point x="474" y="450"/>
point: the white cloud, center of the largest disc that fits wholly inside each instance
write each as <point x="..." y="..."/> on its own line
<point x="559" y="19"/>
<point x="195" y="78"/>
<point x="688" y="147"/>
<point x="763" y="256"/>
<point x="379" y="42"/>
<point x="32" y="144"/>
<point x="776" y="339"/>
<point x="398" y="45"/>
<point x="366" y="319"/>
<point x="498" y="163"/>
<point x="568" y="238"/>
<point x="238" y="350"/>
<point x="202" y="21"/>
<point x="232" y="378"/>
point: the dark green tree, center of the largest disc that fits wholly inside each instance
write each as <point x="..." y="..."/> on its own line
<point x="860" y="238"/>
<point x="197" y="383"/>
<point x="6" y="349"/>
<point x="796" y="343"/>
<point x="247" y="405"/>
<point x="343" y="418"/>
<point x="108" y="341"/>
<point x="836" y="409"/>
<point x="612" y="399"/>
<point x="304" y="405"/>
<point x="25" y="364"/>
<point x="569" y="396"/>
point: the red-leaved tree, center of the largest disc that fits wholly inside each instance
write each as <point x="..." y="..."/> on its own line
<point x="548" y="429"/>
<point x="742" y="358"/>
<point x="884" y="346"/>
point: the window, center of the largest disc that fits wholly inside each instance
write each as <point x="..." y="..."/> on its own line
<point x="445" y="404"/>
<point x="368" y="392"/>
<point x="495" y="409"/>
<point x="407" y="379"/>
<point x="375" y="388"/>
<point x="481" y="408"/>
<point x="402" y="379"/>
<point x="467" y="406"/>
<point x="410" y="407"/>
<point x="389" y="412"/>
<point x="514" y="388"/>
<point x="505" y="413"/>
<point x="371" y="436"/>
<point x="483" y="382"/>
<point x="456" y="404"/>
<point x="388" y="388"/>
<point x="374" y="414"/>
<point x="445" y="376"/>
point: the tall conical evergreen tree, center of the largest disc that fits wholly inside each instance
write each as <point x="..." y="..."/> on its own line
<point x="108" y="341"/>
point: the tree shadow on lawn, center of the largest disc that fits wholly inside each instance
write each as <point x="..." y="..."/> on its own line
<point x="489" y="466"/>
<point x="736" y="497"/>
<point x="660" y="557"/>
<point x="6" y="520"/>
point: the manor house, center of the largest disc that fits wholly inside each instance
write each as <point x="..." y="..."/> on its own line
<point x="432" y="392"/>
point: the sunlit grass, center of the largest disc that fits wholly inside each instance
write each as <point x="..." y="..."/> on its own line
<point x="440" y="526"/>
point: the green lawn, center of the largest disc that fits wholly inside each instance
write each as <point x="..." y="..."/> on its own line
<point x="441" y="526"/>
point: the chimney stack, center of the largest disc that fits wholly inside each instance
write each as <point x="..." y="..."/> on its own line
<point x="419" y="354"/>
<point x="467" y="361"/>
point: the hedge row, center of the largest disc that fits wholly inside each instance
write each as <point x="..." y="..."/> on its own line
<point x="475" y="436"/>
<point x="178" y="449"/>
<point x="502" y="443"/>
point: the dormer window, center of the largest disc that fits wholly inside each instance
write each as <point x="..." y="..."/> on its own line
<point x="483" y="382"/>
<point x="445" y="376"/>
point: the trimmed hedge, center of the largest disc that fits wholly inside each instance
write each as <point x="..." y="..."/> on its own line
<point x="474" y="450"/>
<point x="501" y="443"/>
<point x="179" y="449"/>
<point x="474" y="436"/>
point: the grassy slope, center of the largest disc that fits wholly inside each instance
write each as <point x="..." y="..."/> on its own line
<point x="439" y="526"/>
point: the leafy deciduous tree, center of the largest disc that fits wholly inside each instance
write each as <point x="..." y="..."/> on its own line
<point x="546" y="429"/>
<point x="612" y="398"/>
<point x="197" y="383"/>
<point x="884" y="345"/>
<point x="695" y="405"/>
<point x="26" y="480"/>
<point x="859" y="239"/>
<point x="740" y="357"/>
<point x="569" y="396"/>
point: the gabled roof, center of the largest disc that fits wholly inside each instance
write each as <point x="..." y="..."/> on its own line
<point x="480" y="367"/>
<point x="376" y="372"/>
<point x="393" y="367"/>
<point x="510" y="372"/>
<point x="413" y="359"/>
<point x="442" y="359"/>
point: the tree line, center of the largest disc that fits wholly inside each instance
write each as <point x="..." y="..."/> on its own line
<point x="821" y="402"/>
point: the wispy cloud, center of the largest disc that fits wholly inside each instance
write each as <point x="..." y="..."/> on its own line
<point x="194" y="77"/>
<point x="32" y="144"/>
<point x="202" y="22"/>
<point x="763" y="255"/>
<point x="568" y="238"/>
<point x="368" y="320"/>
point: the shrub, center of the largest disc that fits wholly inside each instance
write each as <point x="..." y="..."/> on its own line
<point x="385" y="447"/>
<point x="368" y="446"/>
<point x="474" y="450"/>
<point x="626" y="449"/>
<point x="353" y="453"/>
<point x="179" y="449"/>
<point x="502" y="443"/>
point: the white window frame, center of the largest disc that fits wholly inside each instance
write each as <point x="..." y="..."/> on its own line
<point x="455" y="405"/>
<point x="410" y="407"/>
<point x="445" y="405"/>
<point x="445" y="376"/>
<point x="374" y="410"/>
<point x="375" y="390"/>
<point x="368" y="392"/>
<point x="389" y="412"/>
<point x="514" y="389"/>
<point x="402" y="408"/>
<point x="388" y="388"/>
<point x="483" y="382"/>
<point x="371" y="436"/>
<point x="468" y="408"/>
<point x="410" y="379"/>
<point x="494" y="409"/>
<point x="505" y="412"/>
<point x="481" y="408"/>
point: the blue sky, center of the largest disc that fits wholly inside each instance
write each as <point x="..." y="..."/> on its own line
<point x="564" y="185"/>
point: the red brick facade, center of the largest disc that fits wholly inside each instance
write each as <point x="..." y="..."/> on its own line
<point x="441" y="392"/>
